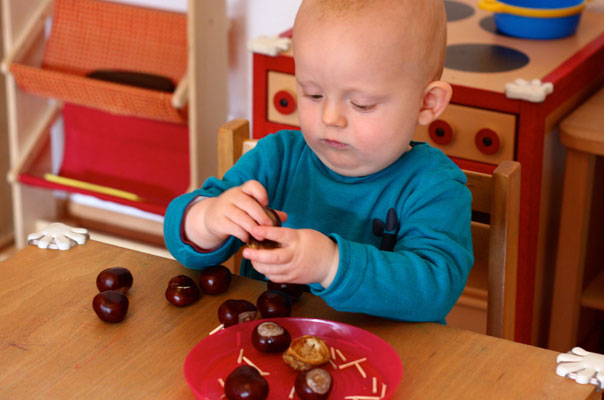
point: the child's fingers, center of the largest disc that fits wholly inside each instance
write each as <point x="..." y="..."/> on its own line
<point x="235" y="229"/>
<point x="281" y="235"/>
<point x="255" y="190"/>
<point x="248" y="213"/>
<point x="282" y="215"/>
<point x="276" y="256"/>
<point x="275" y="273"/>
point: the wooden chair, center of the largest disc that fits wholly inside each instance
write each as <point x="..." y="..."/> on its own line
<point x="495" y="206"/>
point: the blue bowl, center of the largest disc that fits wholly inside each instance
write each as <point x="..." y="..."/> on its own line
<point x="538" y="28"/>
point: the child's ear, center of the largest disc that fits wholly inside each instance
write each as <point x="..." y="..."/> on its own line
<point x="436" y="97"/>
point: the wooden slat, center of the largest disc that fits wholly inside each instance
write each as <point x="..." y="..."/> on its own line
<point x="503" y="250"/>
<point x="593" y="295"/>
<point x="480" y="186"/>
<point x="230" y="143"/>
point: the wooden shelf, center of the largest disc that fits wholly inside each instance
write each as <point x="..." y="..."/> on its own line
<point x="593" y="295"/>
<point x="23" y="23"/>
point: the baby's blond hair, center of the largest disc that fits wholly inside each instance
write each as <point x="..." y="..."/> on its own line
<point x="424" y="19"/>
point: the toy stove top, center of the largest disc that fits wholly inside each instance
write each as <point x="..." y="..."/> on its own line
<point x="479" y="56"/>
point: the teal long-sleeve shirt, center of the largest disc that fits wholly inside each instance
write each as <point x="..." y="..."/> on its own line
<point x="403" y="233"/>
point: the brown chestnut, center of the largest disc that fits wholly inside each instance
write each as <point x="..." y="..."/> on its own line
<point x="274" y="304"/>
<point x="182" y="291"/>
<point x="270" y="337"/>
<point x="266" y="244"/>
<point x="215" y="279"/>
<point x="313" y="385"/>
<point x="233" y="312"/>
<point x="294" y="290"/>
<point x="110" y="305"/>
<point x="245" y="382"/>
<point x="115" y="278"/>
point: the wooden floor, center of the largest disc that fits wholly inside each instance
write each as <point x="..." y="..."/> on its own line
<point x="7" y="251"/>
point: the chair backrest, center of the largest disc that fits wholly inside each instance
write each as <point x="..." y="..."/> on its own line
<point x="495" y="224"/>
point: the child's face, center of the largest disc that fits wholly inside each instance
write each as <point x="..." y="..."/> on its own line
<point x="358" y="104"/>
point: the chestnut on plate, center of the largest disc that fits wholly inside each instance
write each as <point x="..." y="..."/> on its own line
<point x="266" y="244"/>
<point x="182" y="291"/>
<point x="306" y="352"/>
<point x="270" y="337"/>
<point x="110" y="305"/>
<point x="314" y="384"/>
<point x="233" y="312"/>
<point x="245" y="383"/>
<point x="274" y="304"/>
<point x="294" y="290"/>
<point x="114" y="278"/>
<point x="215" y="279"/>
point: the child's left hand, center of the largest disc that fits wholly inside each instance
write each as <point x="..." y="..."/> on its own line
<point x="305" y="256"/>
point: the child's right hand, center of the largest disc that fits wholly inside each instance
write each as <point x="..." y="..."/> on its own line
<point x="235" y="212"/>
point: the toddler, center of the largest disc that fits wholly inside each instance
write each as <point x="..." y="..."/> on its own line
<point x="373" y="222"/>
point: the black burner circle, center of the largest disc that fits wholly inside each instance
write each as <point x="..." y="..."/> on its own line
<point x="456" y="10"/>
<point x="474" y="57"/>
<point x="488" y="24"/>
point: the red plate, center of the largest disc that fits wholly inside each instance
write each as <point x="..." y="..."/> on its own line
<point x="216" y="356"/>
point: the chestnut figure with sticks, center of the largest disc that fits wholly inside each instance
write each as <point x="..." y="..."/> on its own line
<point x="182" y="291"/>
<point x="266" y="244"/>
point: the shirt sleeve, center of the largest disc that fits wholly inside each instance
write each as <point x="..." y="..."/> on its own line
<point x="422" y="278"/>
<point x="250" y="166"/>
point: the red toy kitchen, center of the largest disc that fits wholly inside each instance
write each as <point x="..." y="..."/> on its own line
<point x="483" y="126"/>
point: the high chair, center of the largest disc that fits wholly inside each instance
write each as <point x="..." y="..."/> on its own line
<point x="495" y="220"/>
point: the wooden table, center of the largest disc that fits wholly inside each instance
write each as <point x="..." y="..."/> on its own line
<point x="54" y="346"/>
<point x="582" y="133"/>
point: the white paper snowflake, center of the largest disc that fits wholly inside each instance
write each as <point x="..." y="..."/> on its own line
<point x="582" y="366"/>
<point x="269" y="45"/>
<point x="534" y="91"/>
<point x="58" y="236"/>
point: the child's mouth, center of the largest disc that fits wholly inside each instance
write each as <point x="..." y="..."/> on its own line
<point x="335" y="144"/>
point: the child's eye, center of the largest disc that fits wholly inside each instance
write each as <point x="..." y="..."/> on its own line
<point x="362" y="107"/>
<point x="314" y="96"/>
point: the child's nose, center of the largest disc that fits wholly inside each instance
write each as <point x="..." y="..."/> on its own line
<point x="333" y="116"/>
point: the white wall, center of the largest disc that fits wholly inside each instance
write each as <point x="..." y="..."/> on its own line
<point x="249" y="19"/>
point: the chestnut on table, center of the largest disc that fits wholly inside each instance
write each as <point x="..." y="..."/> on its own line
<point x="55" y="347"/>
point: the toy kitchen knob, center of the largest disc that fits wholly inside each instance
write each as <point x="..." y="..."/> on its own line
<point x="285" y="102"/>
<point x="440" y="132"/>
<point x="487" y="141"/>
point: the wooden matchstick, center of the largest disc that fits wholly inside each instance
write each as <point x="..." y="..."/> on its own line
<point x="351" y="363"/>
<point x="251" y="364"/>
<point x="341" y="355"/>
<point x="361" y="370"/>
<point x="218" y="328"/>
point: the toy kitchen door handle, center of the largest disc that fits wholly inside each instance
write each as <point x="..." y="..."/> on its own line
<point x="499" y="7"/>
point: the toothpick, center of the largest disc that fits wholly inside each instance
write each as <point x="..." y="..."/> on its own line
<point x="341" y="355"/>
<point x="291" y="392"/>
<point x="361" y="371"/>
<point x="333" y="364"/>
<point x="351" y="363"/>
<point x="251" y="364"/>
<point x="221" y="382"/>
<point x="218" y="328"/>
<point x="362" y="398"/>
<point x="374" y="385"/>
<point x="333" y="353"/>
<point x="383" y="390"/>
<point x="240" y="356"/>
